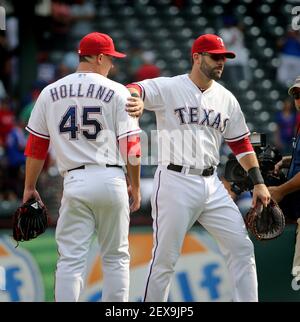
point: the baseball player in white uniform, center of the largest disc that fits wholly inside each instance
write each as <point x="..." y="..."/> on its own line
<point x="193" y="114"/>
<point x="84" y="117"/>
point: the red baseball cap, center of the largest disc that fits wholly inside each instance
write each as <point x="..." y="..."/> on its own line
<point x="96" y="43"/>
<point x="211" y="44"/>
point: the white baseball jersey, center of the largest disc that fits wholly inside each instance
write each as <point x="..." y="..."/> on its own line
<point x="191" y="123"/>
<point x="84" y="115"/>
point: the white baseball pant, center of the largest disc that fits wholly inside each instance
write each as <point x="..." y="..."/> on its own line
<point x="95" y="199"/>
<point x="178" y="201"/>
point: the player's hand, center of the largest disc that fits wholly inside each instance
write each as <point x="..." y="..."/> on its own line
<point x="135" y="200"/>
<point x="31" y="193"/>
<point x="262" y="193"/>
<point x="276" y="193"/>
<point x="134" y="106"/>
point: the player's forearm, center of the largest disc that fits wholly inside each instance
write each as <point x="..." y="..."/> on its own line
<point x="33" y="170"/>
<point x="134" y="172"/>
<point x="249" y="161"/>
<point x="130" y="149"/>
<point x="250" y="164"/>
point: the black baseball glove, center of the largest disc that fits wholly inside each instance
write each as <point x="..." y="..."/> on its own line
<point x="265" y="222"/>
<point x="29" y="221"/>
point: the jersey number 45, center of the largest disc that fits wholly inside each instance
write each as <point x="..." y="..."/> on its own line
<point x="89" y="126"/>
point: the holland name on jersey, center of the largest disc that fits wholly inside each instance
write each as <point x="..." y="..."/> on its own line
<point x="91" y="91"/>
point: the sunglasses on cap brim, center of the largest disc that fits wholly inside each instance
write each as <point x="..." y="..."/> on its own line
<point x="215" y="57"/>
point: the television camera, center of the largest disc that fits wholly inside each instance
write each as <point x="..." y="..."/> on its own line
<point x="267" y="158"/>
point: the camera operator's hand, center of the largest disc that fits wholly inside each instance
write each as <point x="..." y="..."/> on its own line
<point x="283" y="163"/>
<point x="261" y="192"/>
<point x="277" y="167"/>
<point x="276" y="193"/>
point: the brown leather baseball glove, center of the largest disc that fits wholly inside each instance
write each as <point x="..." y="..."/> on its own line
<point x="265" y="222"/>
<point x="29" y="221"/>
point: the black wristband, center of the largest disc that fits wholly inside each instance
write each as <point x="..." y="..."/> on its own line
<point x="255" y="176"/>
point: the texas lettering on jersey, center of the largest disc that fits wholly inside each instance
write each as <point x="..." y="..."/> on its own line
<point x="208" y="117"/>
<point x="192" y="123"/>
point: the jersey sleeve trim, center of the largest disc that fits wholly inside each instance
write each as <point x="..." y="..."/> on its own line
<point x="43" y="136"/>
<point x="239" y="156"/>
<point x="237" y="138"/>
<point x="143" y="90"/>
<point x="129" y="133"/>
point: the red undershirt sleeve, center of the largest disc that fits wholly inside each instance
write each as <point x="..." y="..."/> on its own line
<point x="130" y="146"/>
<point x="135" y="86"/>
<point x="36" y="147"/>
<point x="241" y="147"/>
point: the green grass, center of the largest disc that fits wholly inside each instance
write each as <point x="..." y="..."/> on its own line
<point x="43" y="249"/>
